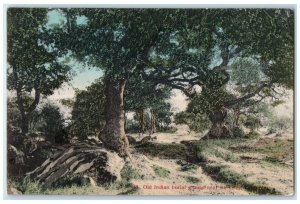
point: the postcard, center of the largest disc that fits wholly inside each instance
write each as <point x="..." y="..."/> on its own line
<point x="150" y="101"/>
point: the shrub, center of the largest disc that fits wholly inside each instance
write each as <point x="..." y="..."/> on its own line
<point x="279" y="124"/>
<point x="160" y="171"/>
<point x="238" y="132"/>
<point x="52" y="124"/>
<point x="191" y="179"/>
<point x="196" y="122"/>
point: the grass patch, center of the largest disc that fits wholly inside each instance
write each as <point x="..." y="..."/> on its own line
<point x="223" y="174"/>
<point x="129" y="173"/>
<point x="79" y="185"/>
<point x="252" y="135"/>
<point x="71" y="181"/>
<point x="191" y="179"/>
<point x="277" y="150"/>
<point x="185" y="166"/>
<point x="227" y="156"/>
<point x="166" y="151"/>
<point x="160" y="171"/>
<point x="207" y="145"/>
<point x="27" y="186"/>
<point x="204" y="148"/>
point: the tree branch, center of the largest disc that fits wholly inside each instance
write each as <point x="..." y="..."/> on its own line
<point x="35" y="102"/>
<point x="247" y="96"/>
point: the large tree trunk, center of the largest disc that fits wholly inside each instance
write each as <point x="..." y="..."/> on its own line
<point x="24" y="123"/>
<point x="113" y="134"/>
<point x="219" y="129"/>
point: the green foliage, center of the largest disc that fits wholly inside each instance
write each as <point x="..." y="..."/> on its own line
<point x="88" y="116"/>
<point x="162" y="110"/>
<point x="223" y="174"/>
<point x="252" y="122"/>
<point x="32" y="65"/>
<point x="246" y="71"/>
<point x="227" y="156"/>
<point x="13" y="113"/>
<point x="160" y="171"/>
<point x="277" y="102"/>
<point x="169" y="129"/>
<point x="279" y="124"/>
<point x="128" y="173"/>
<point x="27" y="186"/>
<point x="185" y="166"/>
<point x="141" y="94"/>
<point x="191" y="179"/>
<point x="252" y="135"/>
<point x="197" y="122"/>
<point x="52" y="123"/>
<point x="169" y="151"/>
<point x="67" y="102"/>
<point x="238" y="132"/>
<point x="132" y="126"/>
<point x="71" y="181"/>
<point x="209" y="100"/>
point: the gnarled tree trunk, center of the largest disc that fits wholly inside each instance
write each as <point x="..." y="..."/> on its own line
<point x="113" y="134"/>
<point x="219" y="129"/>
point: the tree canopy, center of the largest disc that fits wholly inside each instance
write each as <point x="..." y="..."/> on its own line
<point x="33" y="66"/>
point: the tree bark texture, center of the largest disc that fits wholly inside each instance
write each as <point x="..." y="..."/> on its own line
<point x="26" y="111"/>
<point x="219" y="129"/>
<point x="141" y="118"/>
<point x="152" y="122"/>
<point x="113" y="134"/>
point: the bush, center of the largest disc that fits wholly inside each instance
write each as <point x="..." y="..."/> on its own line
<point x="160" y="171"/>
<point x="252" y="122"/>
<point x="238" y="132"/>
<point x="132" y="126"/>
<point x="279" y="124"/>
<point x="128" y="173"/>
<point x="52" y="124"/>
<point x="196" y="122"/>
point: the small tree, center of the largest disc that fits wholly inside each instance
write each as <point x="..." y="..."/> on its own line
<point x="33" y="67"/>
<point x="88" y="111"/>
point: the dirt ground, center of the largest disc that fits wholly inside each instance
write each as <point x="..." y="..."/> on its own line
<point x="251" y="164"/>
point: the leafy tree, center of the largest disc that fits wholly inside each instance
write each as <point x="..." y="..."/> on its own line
<point x="178" y="47"/>
<point x="33" y="67"/>
<point x="141" y="95"/>
<point x="163" y="114"/>
<point x="88" y="111"/>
